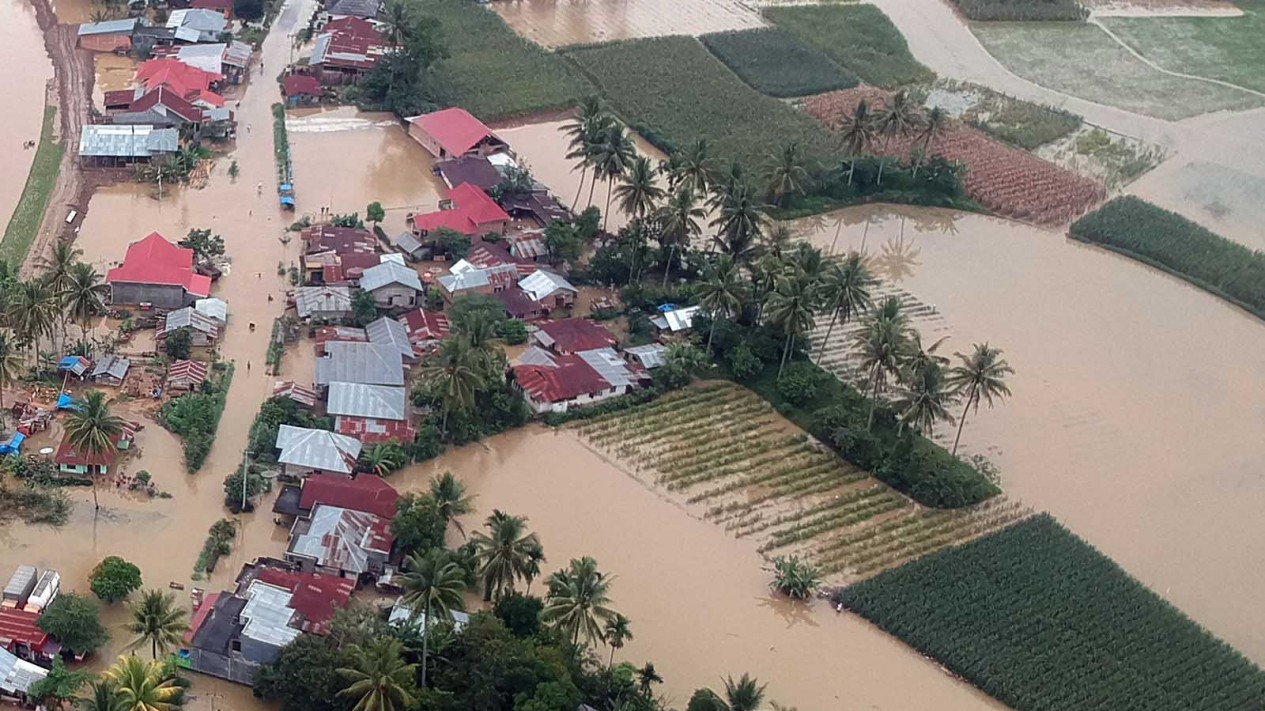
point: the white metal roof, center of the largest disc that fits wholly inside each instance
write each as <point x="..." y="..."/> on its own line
<point x="676" y="319"/>
<point x="338" y="537"/>
<point x="17" y="675"/>
<point x="318" y="449"/>
<point x="197" y="19"/>
<point x="609" y="365"/>
<point x="268" y="614"/>
<point x="109" y="27"/>
<point x="535" y="355"/>
<point x="215" y="308"/>
<point x="207" y="57"/>
<point x="650" y="355"/>
<point x="540" y="284"/>
<point x="387" y="273"/>
<point x="383" y="402"/>
<point x="390" y="332"/>
<point x="370" y="363"/>
<point x="126" y="140"/>
<point x="324" y="299"/>
<point x="405" y="616"/>
<point x="189" y="317"/>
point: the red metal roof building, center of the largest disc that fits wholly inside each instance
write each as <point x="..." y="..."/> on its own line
<point x="340" y="240"/>
<point x="169" y="103"/>
<point x="19" y="628"/>
<point x="425" y="328"/>
<point x="338" y="334"/>
<point x="186" y="374"/>
<point x="569" y="379"/>
<point x="301" y="85"/>
<point x="452" y="133"/>
<point x="372" y="430"/>
<point x="472" y="213"/>
<point x="365" y="493"/>
<point x="158" y="272"/>
<point x="224" y="7"/>
<point x="175" y="75"/>
<point x="574" y="335"/>
<point x="314" y="596"/>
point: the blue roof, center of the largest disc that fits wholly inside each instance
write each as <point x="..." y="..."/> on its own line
<point x="66" y="402"/>
<point x="666" y="308"/>
<point x="287" y="200"/>
<point x="14" y="443"/>
<point x="68" y="362"/>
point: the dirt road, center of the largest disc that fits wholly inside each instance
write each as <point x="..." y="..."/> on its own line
<point x="73" y="77"/>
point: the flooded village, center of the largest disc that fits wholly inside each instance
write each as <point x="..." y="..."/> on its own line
<point x="566" y="355"/>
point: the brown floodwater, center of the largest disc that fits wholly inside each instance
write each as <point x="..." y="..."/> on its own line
<point x="72" y="12"/>
<point x="558" y="23"/>
<point x="113" y="73"/>
<point x="1138" y="399"/>
<point x="22" y="111"/>
<point x="698" y="598"/>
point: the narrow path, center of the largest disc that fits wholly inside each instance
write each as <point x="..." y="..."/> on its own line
<point x="1162" y="70"/>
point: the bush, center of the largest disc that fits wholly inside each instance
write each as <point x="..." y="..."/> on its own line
<point x="674" y="86"/>
<point x="520" y="613"/>
<point x="1038" y="619"/>
<point x="512" y="332"/>
<point x="114" y="579"/>
<point x="277" y="411"/>
<point x="195" y="417"/>
<point x="774" y="62"/>
<point x="238" y="495"/>
<point x="801" y="382"/>
<point x="859" y="37"/>
<point x="1023" y="10"/>
<point x="178" y="343"/>
<point x="1168" y="241"/>
<point x="74" y="621"/>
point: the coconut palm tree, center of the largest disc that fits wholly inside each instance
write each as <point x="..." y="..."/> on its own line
<point x="925" y="398"/>
<point x="93" y="430"/>
<point x="379" y="680"/>
<point x="720" y="292"/>
<point x="788" y="174"/>
<point x="451" y="500"/>
<point x="398" y="22"/>
<point x="845" y="292"/>
<point x="382" y="459"/>
<point x="613" y="156"/>
<point x="142" y="686"/>
<point x="504" y="551"/>
<point x="792" y="307"/>
<point x="456" y="374"/>
<point x="58" y="266"/>
<point x="692" y="169"/>
<point x="739" y="220"/>
<point x="586" y="131"/>
<point x="679" y="221"/>
<point x="743" y="695"/>
<point x="934" y="124"/>
<point x="856" y="131"/>
<point x="32" y="310"/>
<point x="158" y="620"/>
<point x="531" y="566"/>
<point x="980" y="376"/>
<point x="578" y="601"/>
<point x="618" y="631"/>
<point x="638" y="190"/>
<point x="883" y="343"/>
<point x="10" y="363"/>
<point x="647" y="677"/>
<point x="900" y="117"/>
<point x="433" y="586"/>
<point x="84" y="295"/>
<point x="103" y="695"/>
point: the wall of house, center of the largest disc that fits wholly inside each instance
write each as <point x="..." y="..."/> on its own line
<point x="395" y="295"/>
<point x="426" y="140"/>
<point x="258" y="651"/>
<point x="106" y="43"/>
<point x="540" y="407"/>
<point x="162" y="296"/>
<point x="231" y="668"/>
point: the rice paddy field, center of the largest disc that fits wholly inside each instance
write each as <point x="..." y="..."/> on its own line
<point x="726" y="452"/>
<point x="1081" y="60"/>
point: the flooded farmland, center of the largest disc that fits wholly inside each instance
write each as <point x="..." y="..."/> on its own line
<point x="1137" y="405"/>
<point x="22" y="111"/>
<point x="558" y="23"/>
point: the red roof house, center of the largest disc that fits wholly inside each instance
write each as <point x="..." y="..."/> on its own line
<point x="574" y="335"/>
<point x="339" y="240"/>
<point x="452" y="133"/>
<point x="19" y="628"/>
<point x="157" y="272"/>
<point x="168" y="103"/>
<point x="224" y="7"/>
<point x="300" y="86"/>
<point x="570" y="378"/>
<point x="372" y="430"/>
<point x="471" y="213"/>
<point x="425" y="328"/>
<point x="366" y="493"/>
<point x="175" y="75"/>
<point x="314" y="596"/>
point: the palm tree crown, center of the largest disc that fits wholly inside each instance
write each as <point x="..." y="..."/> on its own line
<point x="638" y="190"/>
<point x="504" y="552"/>
<point x="450" y="497"/>
<point x="379" y="680"/>
<point x="141" y="686"/>
<point x="979" y="376"/>
<point x="158" y="620"/>
<point x="578" y="602"/>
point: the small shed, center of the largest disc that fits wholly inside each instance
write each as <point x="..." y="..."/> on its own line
<point x="186" y="375"/>
<point x="649" y="356"/>
<point x="675" y="320"/>
<point x="19" y="587"/>
<point x="111" y="370"/>
<point x="392" y="285"/>
<point x="110" y="36"/>
<point x="215" y="308"/>
<point x="301" y="90"/>
<point x="74" y="365"/>
<point x="411" y="247"/>
<point x="299" y="394"/>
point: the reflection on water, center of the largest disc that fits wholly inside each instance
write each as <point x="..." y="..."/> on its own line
<point x="22" y="110"/>
<point x="896" y="260"/>
<point x="1138" y="402"/>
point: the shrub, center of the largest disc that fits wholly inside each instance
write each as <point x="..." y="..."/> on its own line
<point x="1038" y="619"/>
<point x="512" y="331"/>
<point x="74" y="621"/>
<point x="1023" y="10"/>
<point x="1168" y="241"/>
<point x="859" y="37"/>
<point x="239" y="495"/>
<point x="114" y="579"/>
<point x="520" y="613"/>
<point x="177" y="344"/>
<point x="801" y="382"/>
<point x="195" y="417"/>
<point x="774" y="62"/>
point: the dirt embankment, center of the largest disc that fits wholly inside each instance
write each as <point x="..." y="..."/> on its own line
<point x="72" y="77"/>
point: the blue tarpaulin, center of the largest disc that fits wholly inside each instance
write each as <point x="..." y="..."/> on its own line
<point x="68" y="362"/>
<point x="666" y="308"/>
<point x="66" y="402"/>
<point x="13" y="444"/>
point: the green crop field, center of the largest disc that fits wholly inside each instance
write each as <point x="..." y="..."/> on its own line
<point x="1081" y="60"/>
<point x="673" y="91"/>
<point x="859" y="37"/>
<point x="774" y="62"/>
<point x="1022" y="10"/>
<point x="1231" y="49"/>
<point x="493" y="72"/>
<point x="1041" y="621"/>
<point x="1168" y="241"/>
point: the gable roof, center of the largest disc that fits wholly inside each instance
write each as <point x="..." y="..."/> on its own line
<point x="154" y="260"/>
<point x="568" y="378"/>
<point x="390" y="332"/>
<point x="368" y="363"/>
<point x="472" y="209"/>
<point x="342" y="539"/>
<point x="301" y="85"/>
<point x="356" y="8"/>
<point x="454" y="129"/>
<point x="367" y="493"/>
<point x="340" y="240"/>
<point x="300" y="394"/>
<point x="112" y="365"/>
<point x="540" y="284"/>
<point x="168" y="103"/>
<point x="423" y="325"/>
<point x="325" y="299"/>
<point x="110" y="27"/>
<point x="475" y="170"/>
<point x="315" y="596"/>
<point x="180" y="77"/>
<point x="363" y="400"/>
<point x="191" y="372"/>
<point x="574" y="335"/>
<point x="317" y="449"/>
<point x="127" y="140"/>
<point x="220" y="5"/>
<point x="388" y="273"/>
<point x="189" y="317"/>
<point x="197" y="19"/>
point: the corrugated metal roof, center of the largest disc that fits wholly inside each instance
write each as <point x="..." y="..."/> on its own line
<point x="676" y="319"/>
<point x="409" y="617"/>
<point x="215" y="308"/>
<point x="387" y="273"/>
<point x="408" y="242"/>
<point x="609" y="365"/>
<point x="361" y="400"/>
<point x="189" y="317"/>
<point x="17" y="675"/>
<point x="342" y="539"/>
<point x="389" y="332"/>
<point x="321" y="49"/>
<point x="535" y="355"/>
<point x="650" y="355"/>
<point x="127" y="140"/>
<point x="325" y="299"/>
<point x="369" y="363"/>
<point x="318" y="449"/>
<point x="238" y="54"/>
<point x="110" y="27"/>
<point x="113" y="366"/>
<point x="268" y="615"/>
<point x="542" y="283"/>
<point x="197" y="19"/>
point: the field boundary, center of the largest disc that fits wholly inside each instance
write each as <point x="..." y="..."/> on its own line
<point x="1181" y="75"/>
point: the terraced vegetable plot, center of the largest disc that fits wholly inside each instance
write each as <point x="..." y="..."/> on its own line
<point x="720" y="447"/>
<point x="1040" y="620"/>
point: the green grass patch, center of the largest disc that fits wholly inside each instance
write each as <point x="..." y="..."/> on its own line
<point x="774" y="62"/>
<point x="1231" y="49"/>
<point x="1168" y="241"/>
<point x="1023" y="10"/>
<point x="29" y="213"/>
<point x="1040" y="620"/>
<point x="1081" y="60"/>
<point x="195" y="417"/>
<point x="673" y="91"/>
<point x="491" y="71"/>
<point x="859" y="37"/>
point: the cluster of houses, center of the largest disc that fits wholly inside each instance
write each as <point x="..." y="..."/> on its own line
<point x="348" y="41"/>
<point x="24" y="647"/>
<point x="189" y="59"/>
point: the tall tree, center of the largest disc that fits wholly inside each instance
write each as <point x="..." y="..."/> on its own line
<point x="10" y="364"/>
<point x="433" y="586"/>
<point x="979" y="376"/>
<point x="158" y="620"/>
<point x="450" y="499"/>
<point x="925" y="398"/>
<point x="85" y="295"/>
<point x="679" y="220"/>
<point x="93" y="430"/>
<point x="721" y="292"/>
<point x="792" y="307"/>
<point x="378" y="679"/>
<point x="739" y="219"/>
<point x="398" y="22"/>
<point x="579" y="601"/>
<point x="856" y="131"/>
<point x="899" y="118"/>
<point x="845" y="292"/>
<point x="103" y="695"/>
<point x="883" y="343"/>
<point x="745" y="694"/>
<point x="618" y="631"/>
<point x="693" y="169"/>
<point x="934" y="125"/>
<point x="638" y="191"/>
<point x="32" y="311"/>
<point x="613" y="156"/>
<point x="788" y="174"/>
<point x="504" y="551"/>
<point x="456" y="374"/>
<point x="585" y="132"/>
<point x="143" y="686"/>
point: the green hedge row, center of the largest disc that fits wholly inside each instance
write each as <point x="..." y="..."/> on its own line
<point x="774" y="62"/>
<point x="1168" y="241"/>
<point x="1042" y="621"/>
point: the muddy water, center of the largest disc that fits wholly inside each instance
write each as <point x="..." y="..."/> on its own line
<point x="113" y="73"/>
<point x="698" y="599"/>
<point x="1137" y="407"/>
<point x="557" y="23"/>
<point x="74" y="11"/>
<point x="22" y="111"/>
<point x="542" y="148"/>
